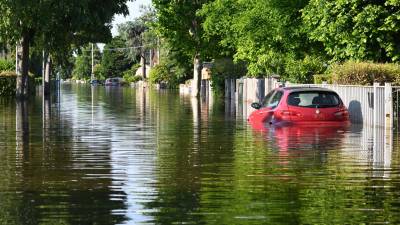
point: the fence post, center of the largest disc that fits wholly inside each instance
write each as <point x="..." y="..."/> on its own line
<point x="233" y="88"/>
<point x="226" y="89"/>
<point x="375" y="104"/>
<point x="388" y="106"/>
<point x="260" y="90"/>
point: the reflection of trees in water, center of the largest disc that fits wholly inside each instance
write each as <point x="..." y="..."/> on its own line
<point x="342" y="188"/>
<point x="194" y="145"/>
<point x="43" y="183"/>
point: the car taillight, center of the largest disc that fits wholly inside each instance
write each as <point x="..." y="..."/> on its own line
<point x="290" y="113"/>
<point x="341" y="113"/>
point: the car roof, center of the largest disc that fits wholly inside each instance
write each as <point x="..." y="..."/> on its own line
<point x="305" y="88"/>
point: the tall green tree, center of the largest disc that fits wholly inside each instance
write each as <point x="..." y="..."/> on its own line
<point x="358" y="30"/>
<point x="267" y="35"/>
<point x="55" y="25"/>
<point x="115" y="59"/>
<point x="180" y="24"/>
<point x="139" y="35"/>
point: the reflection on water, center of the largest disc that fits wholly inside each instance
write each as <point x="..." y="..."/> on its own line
<point x="96" y="155"/>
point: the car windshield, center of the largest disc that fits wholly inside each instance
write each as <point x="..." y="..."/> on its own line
<point x="272" y="99"/>
<point x="313" y="99"/>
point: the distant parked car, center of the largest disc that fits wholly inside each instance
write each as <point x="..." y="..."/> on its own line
<point x="115" y="81"/>
<point x="300" y="105"/>
<point x="96" y="82"/>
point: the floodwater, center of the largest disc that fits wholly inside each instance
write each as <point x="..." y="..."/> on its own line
<point x="97" y="155"/>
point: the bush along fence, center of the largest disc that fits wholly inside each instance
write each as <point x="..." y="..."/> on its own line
<point x="8" y="83"/>
<point x="369" y="105"/>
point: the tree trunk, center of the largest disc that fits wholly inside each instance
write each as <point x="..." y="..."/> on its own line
<point x="196" y="75"/>
<point x="47" y="75"/>
<point x="143" y="63"/>
<point x="151" y="58"/>
<point x="23" y="64"/>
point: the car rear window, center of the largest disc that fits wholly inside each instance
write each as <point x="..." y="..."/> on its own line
<point x="313" y="99"/>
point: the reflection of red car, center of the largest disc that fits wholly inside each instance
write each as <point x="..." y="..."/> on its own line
<point x="299" y="105"/>
<point x="299" y="137"/>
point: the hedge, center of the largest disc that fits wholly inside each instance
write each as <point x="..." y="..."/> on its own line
<point x="6" y="65"/>
<point x="8" y="83"/>
<point x="364" y="73"/>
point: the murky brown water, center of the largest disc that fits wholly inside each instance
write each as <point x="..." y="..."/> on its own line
<point x="124" y="156"/>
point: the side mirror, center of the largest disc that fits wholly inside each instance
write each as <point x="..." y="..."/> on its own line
<point x="256" y="105"/>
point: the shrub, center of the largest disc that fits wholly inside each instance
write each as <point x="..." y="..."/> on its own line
<point x="99" y="72"/>
<point x="320" y="78"/>
<point x="365" y="73"/>
<point x="131" y="79"/>
<point x="8" y="82"/>
<point x="6" y="65"/>
<point x="162" y="74"/>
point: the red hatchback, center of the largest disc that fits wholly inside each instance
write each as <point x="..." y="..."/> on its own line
<point x="300" y="105"/>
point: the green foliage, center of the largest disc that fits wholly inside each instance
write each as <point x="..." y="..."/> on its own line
<point x="264" y="34"/>
<point x="139" y="33"/>
<point x="130" y="75"/>
<point x="82" y="69"/>
<point x="302" y="71"/>
<point x="181" y="25"/>
<point x="99" y="72"/>
<point x="321" y="78"/>
<point x="7" y="85"/>
<point x="115" y="61"/>
<point x="131" y="79"/>
<point x="357" y="30"/>
<point x="83" y="62"/>
<point x="54" y="25"/>
<point x="163" y="74"/>
<point x="365" y="73"/>
<point x="223" y="69"/>
<point x="6" y="65"/>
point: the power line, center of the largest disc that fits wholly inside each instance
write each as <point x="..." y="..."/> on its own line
<point x="115" y="49"/>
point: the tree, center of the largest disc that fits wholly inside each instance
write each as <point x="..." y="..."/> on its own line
<point x="358" y="30"/>
<point x="267" y="35"/>
<point x="54" y="25"/>
<point x="115" y="59"/>
<point x="138" y="35"/>
<point x="181" y="26"/>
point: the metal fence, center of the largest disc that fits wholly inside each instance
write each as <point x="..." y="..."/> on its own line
<point x="369" y="105"/>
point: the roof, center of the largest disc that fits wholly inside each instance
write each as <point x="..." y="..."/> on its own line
<point x="306" y="88"/>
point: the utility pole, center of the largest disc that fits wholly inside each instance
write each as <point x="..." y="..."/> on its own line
<point x="92" y="75"/>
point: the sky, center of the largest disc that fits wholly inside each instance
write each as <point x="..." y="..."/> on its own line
<point x="134" y="12"/>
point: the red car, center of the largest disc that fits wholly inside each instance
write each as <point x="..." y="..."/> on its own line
<point x="300" y="106"/>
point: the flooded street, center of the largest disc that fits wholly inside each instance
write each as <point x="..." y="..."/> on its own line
<point x="98" y="155"/>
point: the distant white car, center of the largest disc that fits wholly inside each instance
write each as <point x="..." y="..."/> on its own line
<point x="115" y="81"/>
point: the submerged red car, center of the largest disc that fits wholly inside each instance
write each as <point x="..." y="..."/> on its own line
<point x="300" y="105"/>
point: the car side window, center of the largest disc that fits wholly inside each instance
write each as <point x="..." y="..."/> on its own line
<point x="267" y="98"/>
<point x="273" y="99"/>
